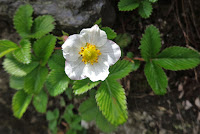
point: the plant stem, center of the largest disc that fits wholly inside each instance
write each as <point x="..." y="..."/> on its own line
<point x="56" y="48"/>
<point x="137" y="58"/>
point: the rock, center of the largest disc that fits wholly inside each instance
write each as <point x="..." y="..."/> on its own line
<point x="71" y="15"/>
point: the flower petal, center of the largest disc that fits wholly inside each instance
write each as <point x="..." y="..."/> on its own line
<point x="97" y="71"/>
<point x="75" y="69"/>
<point x="94" y="36"/>
<point x="72" y="47"/>
<point x="112" y="51"/>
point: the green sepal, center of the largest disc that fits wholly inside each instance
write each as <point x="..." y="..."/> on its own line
<point x="110" y="33"/>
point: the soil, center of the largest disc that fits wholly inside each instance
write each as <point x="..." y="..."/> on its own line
<point x="176" y="112"/>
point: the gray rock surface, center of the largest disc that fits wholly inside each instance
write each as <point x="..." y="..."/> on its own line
<point x="71" y="15"/>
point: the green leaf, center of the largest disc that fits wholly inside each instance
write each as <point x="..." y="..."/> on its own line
<point x="40" y="102"/>
<point x="98" y="22"/>
<point x="110" y="33"/>
<point x="123" y="40"/>
<point x="153" y="1"/>
<point x="52" y="115"/>
<point x="150" y="43"/>
<point x="23" y="53"/>
<point x="120" y="69"/>
<point x="178" y="58"/>
<point x="103" y="124"/>
<point x="57" y="61"/>
<point x="128" y="5"/>
<point x="57" y="82"/>
<point x="136" y="65"/>
<point x="16" y="68"/>
<point x="16" y="82"/>
<point x="82" y="86"/>
<point x="23" y="20"/>
<point x="43" y="47"/>
<point x="6" y="47"/>
<point x="42" y="25"/>
<point x="156" y="78"/>
<point x="20" y="102"/>
<point x="130" y="55"/>
<point x="34" y="81"/>
<point x="69" y="94"/>
<point x="88" y="109"/>
<point x="111" y="100"/>
<point x="145" y="9"/>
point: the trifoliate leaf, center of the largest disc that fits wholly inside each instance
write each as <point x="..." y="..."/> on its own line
<point x="16" y="82"/>
<point x="20" y="102"/>
<point x="178" y="58"/>
<point x="57" y="82"/>
<point x="34" y="81"/>
<point x="23" y="20"/>
<point x="128" y="5"/>
<point x="123" y="40"/>
<point x="156" y="78"/>
<point x="110" y="33"/>
<point x="145" y="9"/>
<point x="88" y="109"/>
<point x="23" y="53"/>
<point x="150" y="43"/>
<point x="42" y="25"/>
<point x="43" y="47"/>
<point x="6" y="47"/>
<point x="13" y="67"/>
<point x="40" y="102"/>
<point x="103" y="124"/>
<point x="120" y="69"/>
<point x="111" y="100"/>
<point x="57" y="61"/>
<point x="82" y="86"/>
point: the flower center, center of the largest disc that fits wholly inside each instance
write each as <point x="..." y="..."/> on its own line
<point x="90" y="54"/>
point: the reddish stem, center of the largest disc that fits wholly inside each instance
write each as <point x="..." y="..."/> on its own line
<point x="140" y="59"/>
<point x="57" y="48"/>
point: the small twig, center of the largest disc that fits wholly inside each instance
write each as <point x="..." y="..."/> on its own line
<point x="193" y="19"/>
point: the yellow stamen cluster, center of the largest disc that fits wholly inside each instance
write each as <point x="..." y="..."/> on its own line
<point x="90" y="54"/>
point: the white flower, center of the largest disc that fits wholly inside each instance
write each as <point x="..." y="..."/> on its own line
<point x="89" y="54"/>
